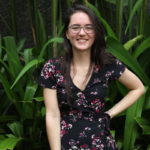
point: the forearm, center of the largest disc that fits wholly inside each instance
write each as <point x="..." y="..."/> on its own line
<point x="53" y="132"/>
<point x="126" y="102"/>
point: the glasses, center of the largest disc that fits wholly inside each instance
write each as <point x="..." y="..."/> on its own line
<point x="77" y="28"/>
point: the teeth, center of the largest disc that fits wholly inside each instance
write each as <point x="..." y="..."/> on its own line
<point x="81" y="40"/>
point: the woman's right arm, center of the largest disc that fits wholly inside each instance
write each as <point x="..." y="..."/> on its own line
<point x="52" y="118"/>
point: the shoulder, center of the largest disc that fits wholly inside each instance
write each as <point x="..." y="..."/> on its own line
<point x="115" y="69"/>
<point x="54" y="62"/>
<point x="114" y="63"/>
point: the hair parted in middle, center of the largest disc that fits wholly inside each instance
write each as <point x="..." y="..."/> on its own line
<point x="99" y="56"/>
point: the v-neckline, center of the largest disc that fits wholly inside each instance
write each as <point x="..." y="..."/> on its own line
<point x="92" y="74"/>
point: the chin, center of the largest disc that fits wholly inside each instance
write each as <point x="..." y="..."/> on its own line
<point x="82" y="48"/>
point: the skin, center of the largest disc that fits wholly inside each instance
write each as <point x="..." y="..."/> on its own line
<point x="81" y="62"/>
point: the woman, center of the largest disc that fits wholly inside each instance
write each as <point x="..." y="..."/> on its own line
<point x="75" y="87"/>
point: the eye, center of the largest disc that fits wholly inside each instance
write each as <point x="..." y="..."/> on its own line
<point x="89" y="27"/>
<point x="75" y="27"/>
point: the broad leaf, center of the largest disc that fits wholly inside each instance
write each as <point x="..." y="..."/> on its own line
<point x="9" y="143"/>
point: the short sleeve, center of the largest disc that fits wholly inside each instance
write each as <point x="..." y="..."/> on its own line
<point x="47" y="76"/>
<point x="116" y="69"/>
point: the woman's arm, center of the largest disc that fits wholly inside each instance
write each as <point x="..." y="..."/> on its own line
<point x="52" y="118"/>
<point x="133" y="83"/>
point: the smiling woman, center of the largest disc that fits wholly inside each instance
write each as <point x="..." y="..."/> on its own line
<point x="80" y="32"/>
<point x="75" y="86"/>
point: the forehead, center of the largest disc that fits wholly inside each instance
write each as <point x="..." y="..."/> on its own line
<point x="80" y="18"/>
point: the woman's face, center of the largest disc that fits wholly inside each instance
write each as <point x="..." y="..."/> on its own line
<point x="80" y="32"/>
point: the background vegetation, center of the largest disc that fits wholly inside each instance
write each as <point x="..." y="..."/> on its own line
<point x="31" y="33"/>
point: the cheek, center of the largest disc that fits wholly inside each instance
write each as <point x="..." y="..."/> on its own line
<point x="93" y="38"/>
<point x="70" y="36"/>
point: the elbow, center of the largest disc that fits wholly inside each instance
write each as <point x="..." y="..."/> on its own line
<point x="142" y="89"/>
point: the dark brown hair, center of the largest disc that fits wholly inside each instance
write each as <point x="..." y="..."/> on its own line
<point x="99" y="56"/>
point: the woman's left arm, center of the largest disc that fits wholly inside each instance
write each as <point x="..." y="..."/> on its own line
<point x="136" y="89"/>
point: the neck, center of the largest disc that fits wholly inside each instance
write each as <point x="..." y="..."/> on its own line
<point x="82" y="59"/>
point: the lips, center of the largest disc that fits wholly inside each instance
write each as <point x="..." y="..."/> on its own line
<point x="82" y="40"/>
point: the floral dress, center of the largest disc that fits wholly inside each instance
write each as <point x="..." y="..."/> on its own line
<point x="84" y="125"/>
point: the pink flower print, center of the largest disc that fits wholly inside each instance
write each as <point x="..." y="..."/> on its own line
<point x="96" y="68"/>
<point x="82" y="134"/>
<point x="46" y="74"/>
<point x="79" y="102"/>
<point x="94" y="148"/>
<point x="109" y="73"/>
<point x="64" y="128"/>
<point x="94" y="93"/>
<point x="97" y="109"/>
<point x="118" y="62"/>
<point x="73" y="144"/>
<point x="63" y="91"/>
<point x="97" y="143"/>
<point x="65" y="125"/>
<point x="111" y="141"/>
<point x="81" y="95"/>
<point x="60" y="79"/>
<point x="87" y="128"/>
<point x="63" y="132"/>
<point x="50" y="61"/>
<point x="97" y="80"/>
<point x="95" y="101"/>
<point x="57" y="72"/>
<point x="84" y="146"/>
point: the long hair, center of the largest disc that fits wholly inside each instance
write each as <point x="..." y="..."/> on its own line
<point x="99" y="56"/>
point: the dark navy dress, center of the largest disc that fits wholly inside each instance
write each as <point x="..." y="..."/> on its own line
<point x="84" y="125"/>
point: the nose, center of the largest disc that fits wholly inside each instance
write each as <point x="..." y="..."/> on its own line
<point x="82" y="32"/>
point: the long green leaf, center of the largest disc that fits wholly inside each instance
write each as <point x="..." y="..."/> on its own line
<point x="145" y="45"/>
<point x="148" y="147"/>
<point x="109" y="30"/>
<point x="16" y="128"/>
<point x="5" y="65"/>
<point x="118" y="51"/>
<point x="56" y="40"/>
<point x="6" y="86"/>
<point x="9" y="143"/>
<point x="137" y="5"/>
<point x="144" y="124"/>
<point x="129" y="44"/>
<point x="30" y="91"/>
<point x="130" y="130"/>
<point x="40" y="29"/>
<point x="26" y="68"/>
<point x="6" y="118"/>
<point x="0" y="46"/>
<point x="12" y="54"/>
<point x="27" y="55"/>
<point x="20" y="44"/>
<point x="119" y="15"/>
<point x="55" y="23"/>
<point x="39" y="99"/>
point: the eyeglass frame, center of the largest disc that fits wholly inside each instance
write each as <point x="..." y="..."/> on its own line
<point x="82" y="27"/>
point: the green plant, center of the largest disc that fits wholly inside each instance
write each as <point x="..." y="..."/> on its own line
<point x="21" y="107"/>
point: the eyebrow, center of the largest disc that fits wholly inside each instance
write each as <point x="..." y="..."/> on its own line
<point x="80" y="25"/>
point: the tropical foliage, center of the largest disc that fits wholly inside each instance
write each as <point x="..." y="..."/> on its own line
<point x="22" y="111"/>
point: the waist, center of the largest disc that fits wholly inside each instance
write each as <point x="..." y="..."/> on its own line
<point x="84" y="114"/>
